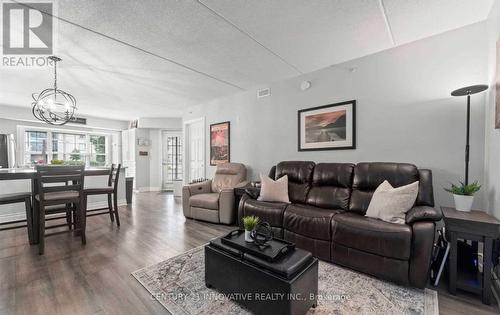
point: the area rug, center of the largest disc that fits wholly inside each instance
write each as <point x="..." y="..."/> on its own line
<point x="179" y="285"/>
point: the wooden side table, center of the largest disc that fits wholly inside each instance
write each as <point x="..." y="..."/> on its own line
<point x="475" y="226"/>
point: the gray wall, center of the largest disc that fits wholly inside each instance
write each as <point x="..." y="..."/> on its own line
<point x="404" y="110"/>
<point x="492" y="165"/>
<point x="149" y="169"/>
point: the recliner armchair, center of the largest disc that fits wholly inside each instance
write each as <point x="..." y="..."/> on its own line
<point x="213" y="200"/>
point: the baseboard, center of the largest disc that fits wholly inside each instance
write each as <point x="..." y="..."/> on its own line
<point x="21" y="215"/>
<point x="147" y="189"/>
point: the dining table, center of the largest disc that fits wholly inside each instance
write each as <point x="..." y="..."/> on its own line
<point x="11" y="174"/>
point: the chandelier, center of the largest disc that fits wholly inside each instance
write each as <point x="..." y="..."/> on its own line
<point x="54" y="106"/>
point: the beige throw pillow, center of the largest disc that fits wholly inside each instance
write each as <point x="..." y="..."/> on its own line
<point x="274" y="190"/>
<point x="391" y="204"/>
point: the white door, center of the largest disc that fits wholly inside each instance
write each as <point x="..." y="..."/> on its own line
<point x="172" y="163"/>
<point x="195" y="145"/>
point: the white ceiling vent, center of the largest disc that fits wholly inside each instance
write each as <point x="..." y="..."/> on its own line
<point x="263" y="92"/>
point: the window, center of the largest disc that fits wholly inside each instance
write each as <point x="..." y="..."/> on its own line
<point x="69" y="147"/>
<point x="172" y="158"/>
<point x="36" y="147"/>
<point x="66" y="147"/>
<point x="97" y="150"/>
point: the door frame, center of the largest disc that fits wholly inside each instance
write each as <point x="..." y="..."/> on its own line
<point x="187" y="146"/>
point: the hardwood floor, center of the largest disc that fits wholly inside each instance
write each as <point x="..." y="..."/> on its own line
<point x="95" y="279"/>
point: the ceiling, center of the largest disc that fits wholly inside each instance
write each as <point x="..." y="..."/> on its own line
<point x="127" y="59"/>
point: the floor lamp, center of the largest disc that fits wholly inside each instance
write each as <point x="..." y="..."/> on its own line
<point x="468" y="91"/>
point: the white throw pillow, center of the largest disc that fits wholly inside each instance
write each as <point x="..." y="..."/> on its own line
<point x="274" y="190"/>
<point x="391" y="204"/>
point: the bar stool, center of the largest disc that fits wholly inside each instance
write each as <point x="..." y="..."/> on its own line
<point x="24" y="197"/>
<point x="60" y="185"/>
<point x="111" y="190"/>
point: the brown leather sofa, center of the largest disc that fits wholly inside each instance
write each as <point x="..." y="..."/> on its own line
<point x="327" y="217"/>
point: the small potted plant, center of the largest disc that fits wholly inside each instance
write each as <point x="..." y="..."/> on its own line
<point x="249" y="223"/>
<point x="464" y="195"/>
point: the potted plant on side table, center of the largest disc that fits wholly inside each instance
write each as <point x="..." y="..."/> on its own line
<point x="464" y="195"/>
<point x="249" y="223"/>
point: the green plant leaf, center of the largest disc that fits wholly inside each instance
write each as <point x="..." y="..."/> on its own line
<point x="464" y="190"/>
<point x="250" y="222"/>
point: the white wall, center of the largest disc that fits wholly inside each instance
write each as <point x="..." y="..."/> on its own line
<point x="24" y="114"/>
<point x="492" y="153"/>
<point x="161" y="123"/>
<point x="404" y="110"/>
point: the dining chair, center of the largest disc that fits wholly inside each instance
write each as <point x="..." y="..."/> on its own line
<point x="60" y="185"/>
<point x="22" y="197"/>
<point x="111" y="191"/>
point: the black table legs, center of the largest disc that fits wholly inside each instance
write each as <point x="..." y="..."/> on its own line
<point x="454" y="281"/>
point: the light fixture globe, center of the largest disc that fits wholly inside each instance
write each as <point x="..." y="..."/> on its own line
<point x="54" y="106"/>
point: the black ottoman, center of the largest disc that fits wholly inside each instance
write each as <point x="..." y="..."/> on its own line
<point x="288" y="285"/>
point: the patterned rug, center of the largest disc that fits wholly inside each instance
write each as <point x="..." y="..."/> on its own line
<point x="179" y="285"/>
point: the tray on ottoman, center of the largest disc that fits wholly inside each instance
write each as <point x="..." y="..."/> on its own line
<point x="275" y="247"/>
<point x="289" y="285"/>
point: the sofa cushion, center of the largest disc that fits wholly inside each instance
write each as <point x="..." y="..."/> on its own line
<point x="309" y="221"/>
<point x="425" y="192"/>
<point x="331" y="185"/>
<point x="372" y="235"/>
<point x="391" y="204"/>
<point x="368" y="176"/>
<point x="206" y="201"/>
<point x="299" y="178"/>
<point x="274" y="190"/>
<point x="270" y="212"/>
<point x="228" y="175"/>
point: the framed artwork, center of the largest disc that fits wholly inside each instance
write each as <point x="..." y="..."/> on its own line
<point x="497" y="87"/>
<point x="328" y="127"/>
<point x="220" y="146"/>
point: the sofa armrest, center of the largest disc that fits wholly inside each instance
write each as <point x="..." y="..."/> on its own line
<point x="200" y="188"/>
<point x="227" y="211"/>
<point x="423" y="213"/>
<point x="242" y="184"/>
<point x="186" y="209"/>
<point x="423" y="234"/>
<point x="241" y="210"/>
<point x="193" y="189"/>
<point x="253" y="192"/>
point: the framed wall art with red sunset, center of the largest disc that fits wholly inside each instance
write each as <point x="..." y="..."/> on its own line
<point x="220" y="146"/>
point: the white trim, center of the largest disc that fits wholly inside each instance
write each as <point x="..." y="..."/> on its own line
<point x="147" y="189"/>
<point x="21" y="215"/>
<point x="186" y="146"/>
